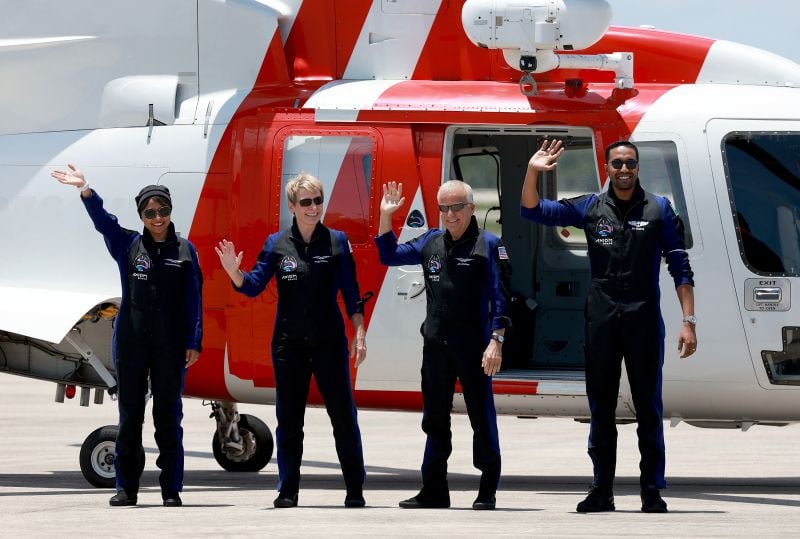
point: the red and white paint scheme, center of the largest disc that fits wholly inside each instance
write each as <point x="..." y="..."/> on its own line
<point x="222" y="101"/>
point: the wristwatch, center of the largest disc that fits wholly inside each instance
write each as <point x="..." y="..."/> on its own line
<point x="497" y="337"/>
<point x="692" y="319"/>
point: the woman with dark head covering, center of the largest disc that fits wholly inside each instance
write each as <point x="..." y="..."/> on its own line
<point x="157" y="333"/>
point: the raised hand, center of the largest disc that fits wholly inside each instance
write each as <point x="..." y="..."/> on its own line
<point x="545" y="159"/>
<point x="228" y="258"/>
<point x="392" y="197"/>
<point x="74" y="177"/>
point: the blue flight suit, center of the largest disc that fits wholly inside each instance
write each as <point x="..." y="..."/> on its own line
<point x="160" y="317"/>
<point x="623" y="316"/>
<point x="309" y="338"/>
<point x="466" y="284"/>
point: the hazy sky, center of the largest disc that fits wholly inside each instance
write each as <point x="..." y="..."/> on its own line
<point x="767" y="24"/>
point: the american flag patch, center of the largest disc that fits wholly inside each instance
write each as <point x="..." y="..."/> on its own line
<point x="501" y="252"/>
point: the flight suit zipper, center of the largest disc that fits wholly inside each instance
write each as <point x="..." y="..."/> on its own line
<point x="620" y="255"/>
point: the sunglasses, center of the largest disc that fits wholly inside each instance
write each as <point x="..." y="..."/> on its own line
<point x="306" y="202"/>
<point x="630" y="163"/>
<point x="163" y="211"/>
<point x="444" y="208"/>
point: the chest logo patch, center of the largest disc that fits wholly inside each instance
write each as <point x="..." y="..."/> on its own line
<point x="288" y="264"/>
<point x="463" y="261"/>
<point x="142" y="262"/>
<point x="605" y="232"/>
<point x="323" y="259"/>
<point x="434" y="265"/>
<point x="604" y="228"/>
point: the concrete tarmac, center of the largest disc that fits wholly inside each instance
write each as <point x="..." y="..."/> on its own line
<point x="722" y="483"/>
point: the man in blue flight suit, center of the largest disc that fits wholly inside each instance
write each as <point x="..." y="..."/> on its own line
<point x="628" y="231"/>
<point x="466" y="282"/>
<point x="157" y="333"/>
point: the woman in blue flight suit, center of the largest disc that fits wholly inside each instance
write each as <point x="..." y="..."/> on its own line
<point x="158" y="332"/>
<point x="311" y="264"/>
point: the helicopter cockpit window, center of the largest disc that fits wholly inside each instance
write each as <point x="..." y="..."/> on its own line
<point x="763" y="172"/>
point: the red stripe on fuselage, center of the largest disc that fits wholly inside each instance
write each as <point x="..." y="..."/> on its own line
<point x="323" y="37"/>
<point x="514" y="387"/>
<point x="659" y="57"/>
<point x="508" y="387"/>
<point x="448" y="54"/>
<point x="377" y="399"/>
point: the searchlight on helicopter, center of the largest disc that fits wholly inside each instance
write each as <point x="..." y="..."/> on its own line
<point x="530" y="33"/>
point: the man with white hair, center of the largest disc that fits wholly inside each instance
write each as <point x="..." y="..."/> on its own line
<point x="466" y="282"/>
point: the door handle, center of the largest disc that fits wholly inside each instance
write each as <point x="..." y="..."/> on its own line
<point x="767" y="294"/>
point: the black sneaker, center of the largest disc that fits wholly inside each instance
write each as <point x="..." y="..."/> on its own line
<point x="354" y="498"/>
<point x="172" y="500"/>
<point x="598" y="500"/>
<point x="121" y="499"/>
<point x="427" y="501"/>
<point x="284" y="500"/>
<point x="652" y="501"/>
<point x="484" y="502"/>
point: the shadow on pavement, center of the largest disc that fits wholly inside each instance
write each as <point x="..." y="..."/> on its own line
<point x="761" y="491"/>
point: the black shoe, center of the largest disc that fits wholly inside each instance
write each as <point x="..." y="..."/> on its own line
<point x="426" y="501"/>
<point x="284" y="500"/>
<point x="598" y="500"/>
<point x="484" y="502"/>
<point x="354" y="498"/>
<point x="172" y="500"/>
<point x="121" y="499"/>
<point x="652" y="501"/>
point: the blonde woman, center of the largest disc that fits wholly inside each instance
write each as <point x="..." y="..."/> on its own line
<point x="311" y="264"/>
